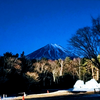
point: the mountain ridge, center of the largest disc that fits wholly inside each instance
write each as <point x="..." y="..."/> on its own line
<point x="50" y="51"/>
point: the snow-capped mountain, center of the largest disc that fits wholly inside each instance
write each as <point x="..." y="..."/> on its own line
<point x="50" y="51"/>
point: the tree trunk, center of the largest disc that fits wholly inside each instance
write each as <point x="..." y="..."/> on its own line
<point x="92" y="68"/>
<point x="61" y="70"/>
<point x="97" y="74"/>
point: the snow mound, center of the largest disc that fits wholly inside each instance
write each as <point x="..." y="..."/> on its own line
<point x="91" y="85"/>
<point x="79" y="84"/>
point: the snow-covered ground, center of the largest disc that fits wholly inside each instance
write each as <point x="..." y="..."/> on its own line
<point x="8" y="98"/>
<point x="90" y="85"/>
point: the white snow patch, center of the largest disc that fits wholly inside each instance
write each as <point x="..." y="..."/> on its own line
<point x="90" y="85"/>
<point x="79" y="84"/>
<point x="58" y="46"/>
<point x="8" y="98"/>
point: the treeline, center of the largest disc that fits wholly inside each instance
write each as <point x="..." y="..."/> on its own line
<point x="19" y="74"/>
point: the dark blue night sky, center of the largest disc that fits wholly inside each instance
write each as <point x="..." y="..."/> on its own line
<point x="27" y="25"/>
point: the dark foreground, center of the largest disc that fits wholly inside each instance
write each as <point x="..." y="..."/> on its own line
<point x="67" y="98"/>
<point x="70" y="97"/>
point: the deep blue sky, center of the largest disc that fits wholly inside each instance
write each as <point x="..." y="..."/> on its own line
<point x="27" y="25"/>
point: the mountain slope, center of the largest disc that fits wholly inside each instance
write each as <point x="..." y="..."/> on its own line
<point x="50" y="51"/>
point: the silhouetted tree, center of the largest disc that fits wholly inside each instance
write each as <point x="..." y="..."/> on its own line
<point x="86" y="42"/>
<point x="26" y="64"/>
<point x="8" y="54"/>
<point x="22" y="55"/>
<point x="16" y="55"/>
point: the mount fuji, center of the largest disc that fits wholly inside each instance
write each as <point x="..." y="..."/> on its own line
<point x="50" y="51"/>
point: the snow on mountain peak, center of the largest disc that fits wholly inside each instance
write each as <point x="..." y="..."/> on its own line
<point x="56" y="46"/>
<point x="50" y="51"/>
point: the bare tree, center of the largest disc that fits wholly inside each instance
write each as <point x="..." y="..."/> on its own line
<point x="61" y="66"/>
<point x="55" y="70"/>
<point x="86" y="42"/>
<point x="71" y="67"/>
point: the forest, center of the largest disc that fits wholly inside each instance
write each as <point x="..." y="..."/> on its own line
<point x="19" y="74"/>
